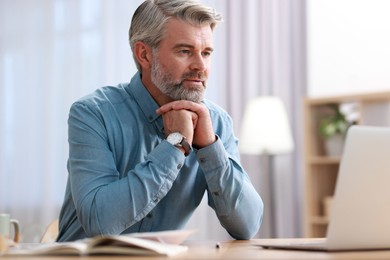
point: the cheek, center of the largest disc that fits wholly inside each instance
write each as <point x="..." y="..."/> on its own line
<point x="177" y="68"/>
<point x="168" y="66"/>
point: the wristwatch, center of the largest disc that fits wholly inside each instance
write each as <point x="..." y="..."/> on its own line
<point x="177" y="139"/>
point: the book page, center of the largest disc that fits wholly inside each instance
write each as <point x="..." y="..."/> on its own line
<point x="165" y="243"/>
<point x="132" y="246"/>
<point x="175" y="237"/>
<point x="64" y="248"/>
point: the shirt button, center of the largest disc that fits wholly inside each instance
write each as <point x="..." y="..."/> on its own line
<point x="216" y="193"/>
<point x="150" y="215"/>
<point x="155" y="199"/>
<point x="179" y="166"/>
<point x="202" y="160"/>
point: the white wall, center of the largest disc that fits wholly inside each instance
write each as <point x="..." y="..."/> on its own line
<point x="348" y="46"/>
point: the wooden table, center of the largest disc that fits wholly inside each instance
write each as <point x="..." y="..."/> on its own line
<point x="242" y="250"/>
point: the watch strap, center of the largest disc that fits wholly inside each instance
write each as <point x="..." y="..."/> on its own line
<point x="186" y="146"/>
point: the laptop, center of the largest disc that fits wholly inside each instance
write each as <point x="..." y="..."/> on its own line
<point x="360" y="211"/>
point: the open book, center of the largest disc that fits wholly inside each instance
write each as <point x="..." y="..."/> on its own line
<point x="164" y="243"/>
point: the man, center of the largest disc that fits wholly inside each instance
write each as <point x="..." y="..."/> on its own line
<point x="143" y="154"/>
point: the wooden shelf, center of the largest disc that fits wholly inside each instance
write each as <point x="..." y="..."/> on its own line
<point x="319" y="220"/>
<point x="324" y="160"/>
<point x="321" y="170"/>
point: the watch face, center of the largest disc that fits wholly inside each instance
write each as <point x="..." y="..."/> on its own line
<point x="175" y="138"/>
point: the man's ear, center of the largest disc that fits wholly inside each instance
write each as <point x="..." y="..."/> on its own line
<point x="143" y="54"/>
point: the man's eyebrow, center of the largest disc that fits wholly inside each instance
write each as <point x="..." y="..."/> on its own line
<point x="189" y="46"/>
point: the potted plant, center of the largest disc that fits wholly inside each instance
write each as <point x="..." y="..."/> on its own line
<point x="333" y="128"/>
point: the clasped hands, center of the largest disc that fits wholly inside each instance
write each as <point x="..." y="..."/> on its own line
<point x="190" y="119"/>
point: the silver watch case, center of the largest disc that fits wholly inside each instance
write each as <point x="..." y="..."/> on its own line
<point x="177" y="139"/>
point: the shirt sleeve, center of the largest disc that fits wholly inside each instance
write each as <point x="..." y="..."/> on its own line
<point x="105" y="202"/>
<point x="237" y="204"/>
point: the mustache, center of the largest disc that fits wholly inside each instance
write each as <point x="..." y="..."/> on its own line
<point x="201" y="76"/>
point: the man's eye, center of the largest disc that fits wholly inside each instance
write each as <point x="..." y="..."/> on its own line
<point x="185" y="51"/>
<point x="206" y="54"/>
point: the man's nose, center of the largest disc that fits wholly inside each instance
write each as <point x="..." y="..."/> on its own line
<point x="198" y="63"/>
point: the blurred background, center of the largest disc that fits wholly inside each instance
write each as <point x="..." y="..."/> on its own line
<point x="53" y="52"/>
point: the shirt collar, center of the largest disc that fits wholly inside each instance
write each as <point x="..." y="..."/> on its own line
<point x="142" y="96"/>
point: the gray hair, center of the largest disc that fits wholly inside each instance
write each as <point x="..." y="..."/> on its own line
<point x="149" y="20"/>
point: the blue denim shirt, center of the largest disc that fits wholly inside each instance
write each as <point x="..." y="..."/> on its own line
<point x="125" y="177"/>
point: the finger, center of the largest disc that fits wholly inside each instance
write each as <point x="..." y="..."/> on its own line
<point x="179" y="105"/>
<point x="168" y="107"/>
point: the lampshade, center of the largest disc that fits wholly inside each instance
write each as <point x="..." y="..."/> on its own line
<point x="265" y="127"/>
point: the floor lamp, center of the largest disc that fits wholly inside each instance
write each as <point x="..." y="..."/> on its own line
<point x="266" y="131"/>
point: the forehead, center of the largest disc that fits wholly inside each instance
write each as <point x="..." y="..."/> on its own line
<point x="199" y="36"/>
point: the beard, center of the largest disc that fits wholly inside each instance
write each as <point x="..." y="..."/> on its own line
<point x="175" y="89"/>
